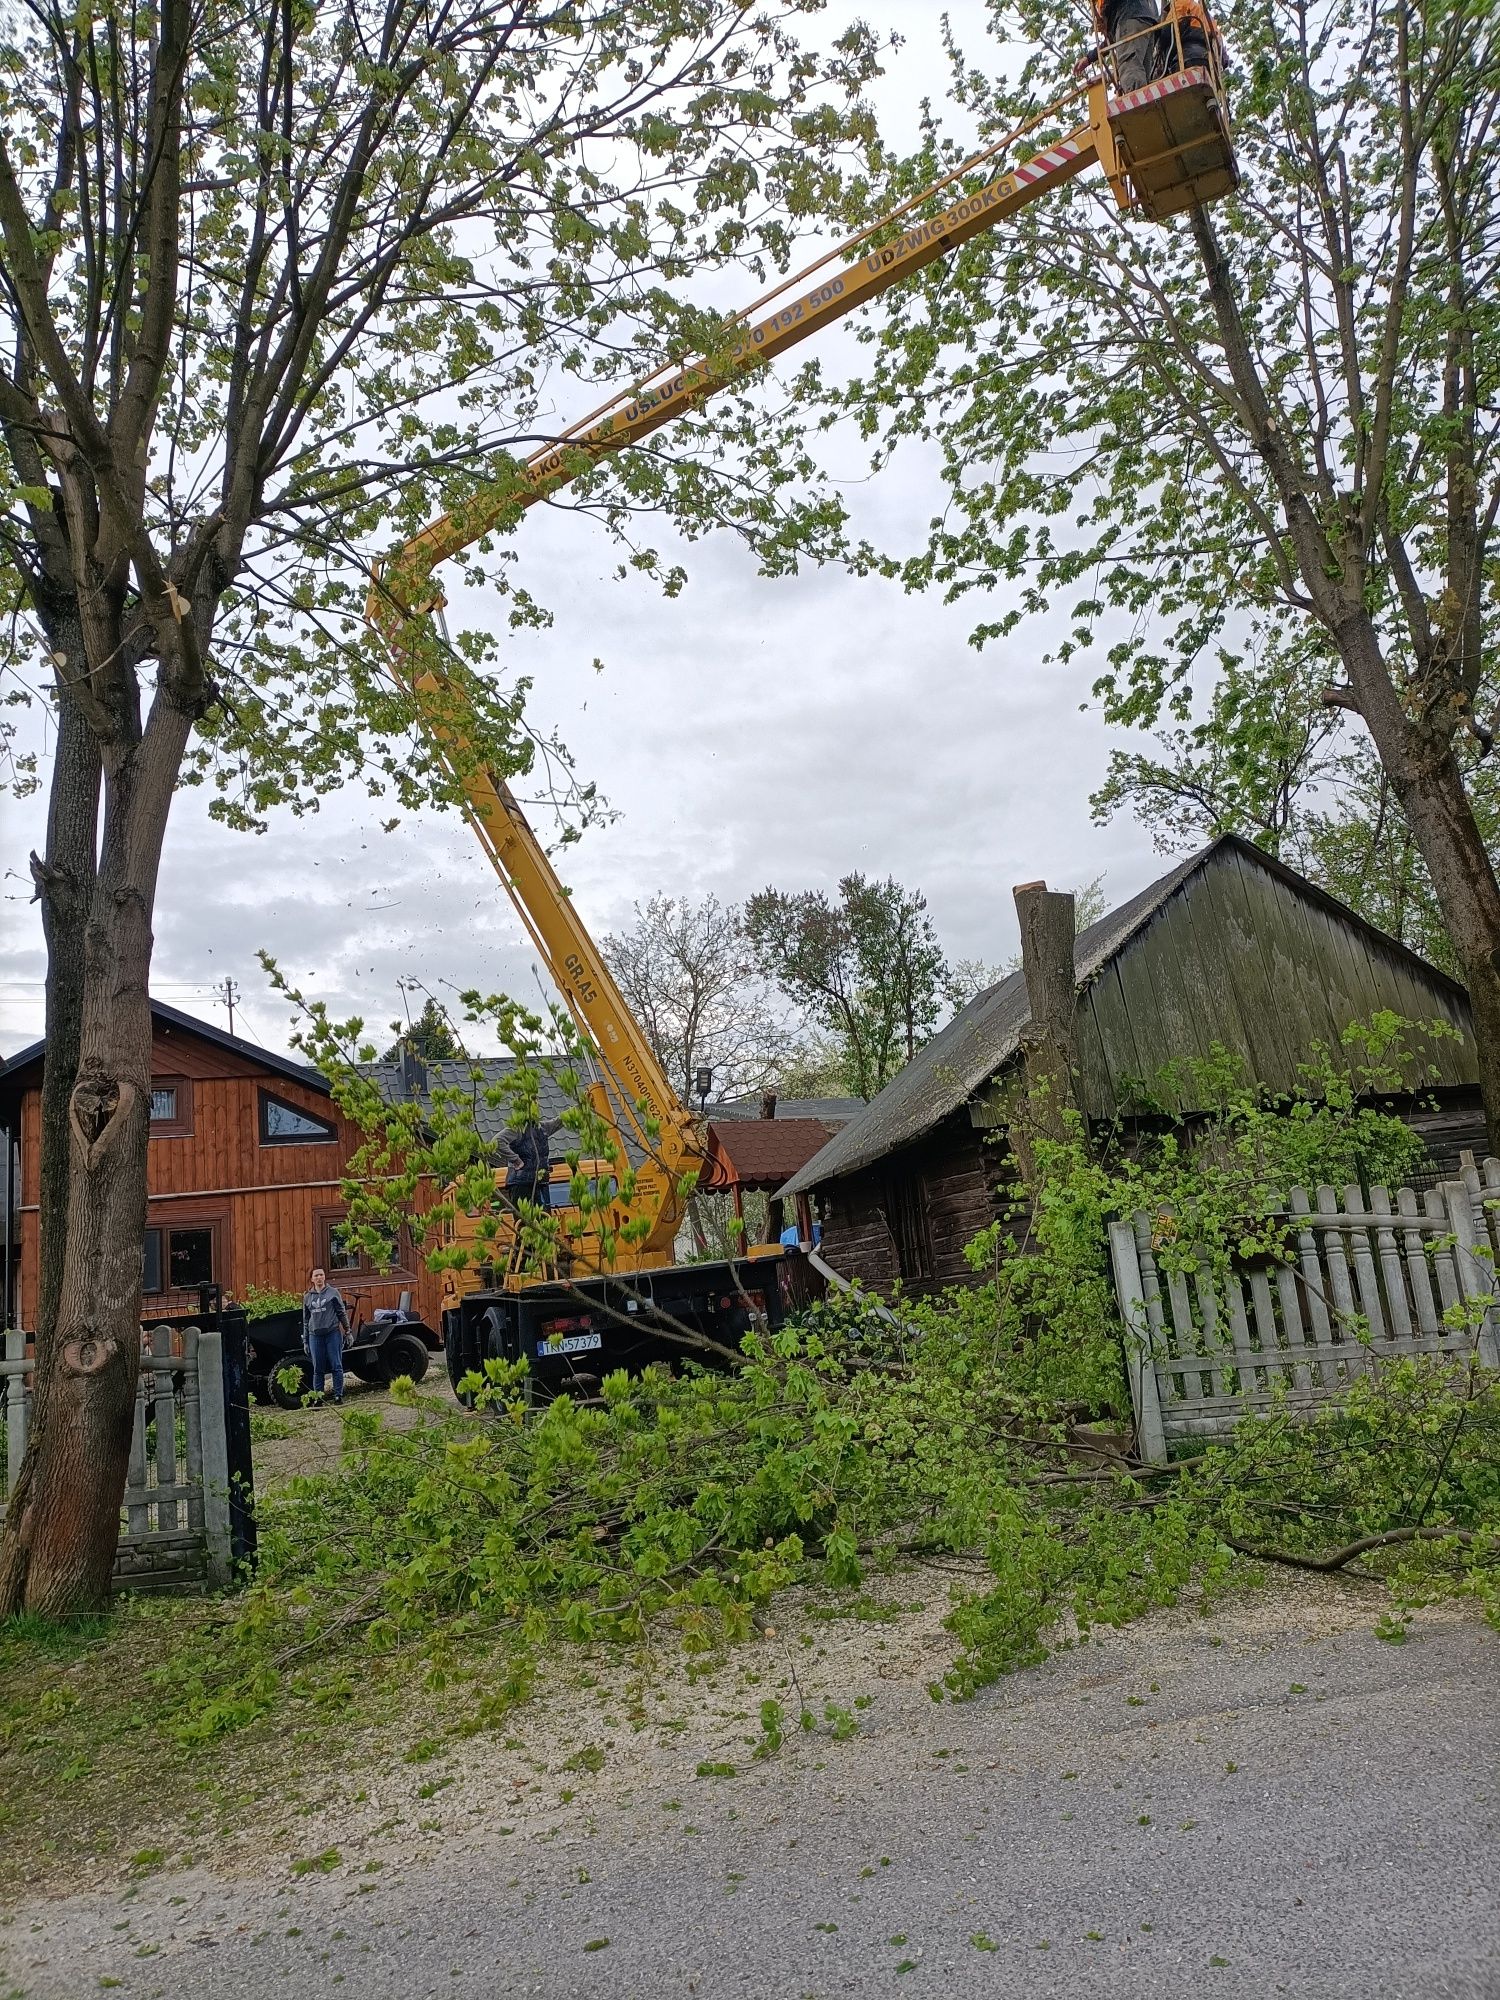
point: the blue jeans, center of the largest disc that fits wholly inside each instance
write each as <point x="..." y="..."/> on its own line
<point x="327" y="1354"/>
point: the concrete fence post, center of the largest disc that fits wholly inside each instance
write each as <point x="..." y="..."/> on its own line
<point x="17" y="1407"/>
<point x="214" y="1433"/>
<point x="1140" y="1359"/>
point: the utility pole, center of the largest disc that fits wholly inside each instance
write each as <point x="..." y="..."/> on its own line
<point x="231" y="993"/>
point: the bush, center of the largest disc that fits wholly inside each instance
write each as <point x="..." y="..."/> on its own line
<point x="260" y="1301"/>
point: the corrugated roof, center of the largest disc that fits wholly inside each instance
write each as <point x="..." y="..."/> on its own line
<point x="763" y="1152"/>
<point x="976" y="1042"/>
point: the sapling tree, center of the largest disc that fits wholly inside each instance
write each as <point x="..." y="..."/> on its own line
<point x="278" y="285"/>
<point x="431" y="1169"/>
<point x="1269" y="429"/>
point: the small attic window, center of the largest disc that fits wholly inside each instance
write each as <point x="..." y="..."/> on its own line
<point x="171" y="1107"/>
<point x="283" y="1124"/>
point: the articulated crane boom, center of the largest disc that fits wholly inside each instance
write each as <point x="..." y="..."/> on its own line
<point x="1163" y="148"/>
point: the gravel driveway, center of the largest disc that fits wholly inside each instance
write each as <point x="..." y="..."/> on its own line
<point x="1267" y="1801"/>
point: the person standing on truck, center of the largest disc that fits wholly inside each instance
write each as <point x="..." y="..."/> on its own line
<point x="325" y="1327"/>
<point x="1129" y="27"/>
<point x="531" y="1159"/>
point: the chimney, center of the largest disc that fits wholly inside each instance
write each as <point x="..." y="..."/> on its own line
<point x="768" y="1104"/>
<point x="413" y="1073"/>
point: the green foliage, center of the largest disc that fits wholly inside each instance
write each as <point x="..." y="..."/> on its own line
<point x="867" y="969"/>
<point x="1215" y="1191"/>
<point x="687" y="1502"/>
<point x="260" y="1301"/>
<point x="1241" y="476"/>
<point x="508" y="213"/>
<point x="1411" y="1444"/>
<point x="413" y="1148"/>
<point x="318" y="1864"/>
<point x="1226" y="1183"/>
<point x="772" y="1731"/>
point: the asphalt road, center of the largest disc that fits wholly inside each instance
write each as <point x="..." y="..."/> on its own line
<point x="1281" y="1813"/>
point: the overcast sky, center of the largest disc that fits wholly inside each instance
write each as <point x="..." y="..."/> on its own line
<point x="749" y="732"/>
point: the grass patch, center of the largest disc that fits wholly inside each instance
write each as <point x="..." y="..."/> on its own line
<point x="318" y="1864"/>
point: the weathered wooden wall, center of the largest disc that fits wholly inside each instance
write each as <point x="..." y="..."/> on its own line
<point x="911" y="1217"/>
<point x="1240" y="959"/>
<point x="270" y="1205"/>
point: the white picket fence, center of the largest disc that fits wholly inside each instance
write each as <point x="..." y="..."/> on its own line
<point x="1371" y="1278"/>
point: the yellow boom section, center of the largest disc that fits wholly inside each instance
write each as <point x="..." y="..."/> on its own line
<point x="1162" y="148"/>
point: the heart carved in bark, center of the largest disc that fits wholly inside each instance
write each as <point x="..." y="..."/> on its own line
<point x="97" y="1113"/>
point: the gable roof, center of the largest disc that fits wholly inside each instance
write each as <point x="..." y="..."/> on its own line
<point x="983" y="1036"/>
<point x="762" y="1152"/>
<point x="174" y="1018"/>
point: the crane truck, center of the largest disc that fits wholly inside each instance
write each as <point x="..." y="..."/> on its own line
<point x="1163" y="147"/>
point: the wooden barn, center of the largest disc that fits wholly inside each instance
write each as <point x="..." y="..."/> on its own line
<point x="246" y="1161"/>
<point x="1231" y="948"/>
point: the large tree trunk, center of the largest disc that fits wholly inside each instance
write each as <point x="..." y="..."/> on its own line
<point x="63" y="1523"/>
<point x="65" y="887"/>
<point x="64" y="878"/>
<point x="1416" y="751"/>
<point x="1429" y="784"/>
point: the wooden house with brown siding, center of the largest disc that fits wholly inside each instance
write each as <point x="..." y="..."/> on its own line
<point x="1232" y="949"/>
<point x="245" y="1163"/>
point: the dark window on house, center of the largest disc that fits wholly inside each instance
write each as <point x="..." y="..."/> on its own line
<point x="178" y="1259"/>
<point x="342" y="1256"/>
<point x="346" y="1260"/>
<point x="283" y="1124"/>
<point x="906" y="1212"/>
<point x="171" y="1107"/>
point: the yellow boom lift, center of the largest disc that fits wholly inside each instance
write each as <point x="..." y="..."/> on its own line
<point x="1162" y="148"/>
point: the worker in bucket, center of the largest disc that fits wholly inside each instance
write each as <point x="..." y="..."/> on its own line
<point x="1196" y="31"/>
<point x="1129" y="26"/>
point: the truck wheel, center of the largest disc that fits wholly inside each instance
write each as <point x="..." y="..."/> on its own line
<point x="403" y="1354"/>
<point x="365" y="1366"/>
<point x="288" y="1382"/>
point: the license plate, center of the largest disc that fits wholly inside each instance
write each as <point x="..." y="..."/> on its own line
<point x="570" y="1343"/>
